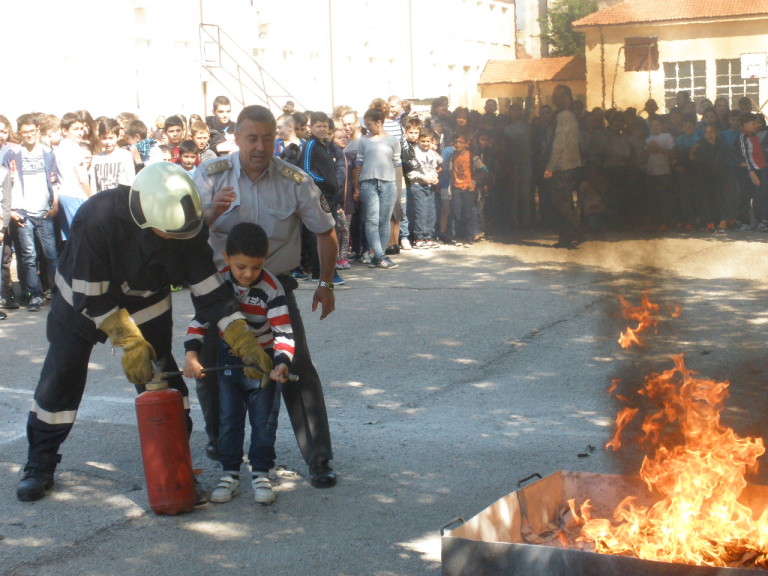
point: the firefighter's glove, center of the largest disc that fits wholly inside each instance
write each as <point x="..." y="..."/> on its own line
<point x="138" y="354"/>
<point x="244" y="344"/>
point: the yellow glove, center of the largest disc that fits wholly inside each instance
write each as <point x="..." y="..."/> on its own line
<point x="138" y="354"/>
<point x="244" y="344"/>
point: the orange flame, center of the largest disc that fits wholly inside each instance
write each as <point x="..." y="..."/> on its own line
<point x="645" y="315"/>
<point x="698" y="519"/>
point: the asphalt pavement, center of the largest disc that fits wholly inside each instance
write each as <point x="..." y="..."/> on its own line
<point x="447" y="380"/>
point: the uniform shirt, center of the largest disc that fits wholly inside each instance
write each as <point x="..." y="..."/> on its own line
<point x="279" y="201"/>
<point x="110" y="263"/>
<point x="265" y="309"/>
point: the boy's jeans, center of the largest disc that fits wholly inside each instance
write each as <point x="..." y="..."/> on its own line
<point x="423" y="213"/>
<point x="239" y="395"/>
<point x="464" y="211"/>
<point x="44" y="229"/>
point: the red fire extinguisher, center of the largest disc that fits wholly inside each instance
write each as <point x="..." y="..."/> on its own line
<point x="165" y="449"/>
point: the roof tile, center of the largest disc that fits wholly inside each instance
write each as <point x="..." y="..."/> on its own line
<point x="643" y="11"/>
<point x="559" y="69"/>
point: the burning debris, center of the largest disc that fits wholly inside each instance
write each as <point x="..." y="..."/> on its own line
<point x="695" y="464"/>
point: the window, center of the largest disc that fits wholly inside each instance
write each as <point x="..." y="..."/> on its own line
<point x="641" y="54"/>
<point x="731" y="85"/>
<point x="689" y="75"/>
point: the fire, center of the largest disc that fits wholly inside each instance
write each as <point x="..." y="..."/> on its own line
<point x="697" y="465"/>
<point x="645" y="315"/>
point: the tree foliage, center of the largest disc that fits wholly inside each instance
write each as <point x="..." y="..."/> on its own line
<point x="556" y="27"/>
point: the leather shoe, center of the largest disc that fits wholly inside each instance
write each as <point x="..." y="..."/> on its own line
<point x="322" y="475"/>
<point x="34" y="484"/>
<point x="211" y="450"/>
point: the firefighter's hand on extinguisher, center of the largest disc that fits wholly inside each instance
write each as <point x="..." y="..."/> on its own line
<point x="244" y="344"/>
<point x="138" y="354"/>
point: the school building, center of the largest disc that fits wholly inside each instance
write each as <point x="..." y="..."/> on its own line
<point x="159" y="57"/>
<point x="640" y="49"/>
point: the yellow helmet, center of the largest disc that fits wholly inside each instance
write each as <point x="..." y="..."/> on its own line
<point x="163" y="196"/>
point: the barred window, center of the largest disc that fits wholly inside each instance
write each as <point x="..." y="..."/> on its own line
<point x="690" y="75"/>
<point x="731" y="85"/>
<point x="641" y="54"/>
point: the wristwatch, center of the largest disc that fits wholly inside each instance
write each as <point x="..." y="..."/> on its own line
<point x="329" y="285"/>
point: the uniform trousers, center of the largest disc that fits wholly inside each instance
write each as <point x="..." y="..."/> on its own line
<point x="62" y="383"/>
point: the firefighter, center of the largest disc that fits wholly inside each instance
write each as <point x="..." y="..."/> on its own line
<point x="127" y="247"/>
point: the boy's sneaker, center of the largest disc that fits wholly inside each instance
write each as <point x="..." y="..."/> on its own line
<point x="338" y="280"/>
<point x="3" y="315"/>
<point x="421" y="245"/>
<point x="367" y="258"/>
<point x="9" y="303"/>
<point x="262" y="489"/>
<point x="434" y="243"/>
<point x="225" y="489"/>
<point x="405" y="244"/>
<point x="34" y="304"/>
<point x="343" y="264"/>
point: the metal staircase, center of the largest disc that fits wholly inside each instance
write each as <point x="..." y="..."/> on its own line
<point x="238" y="72"/>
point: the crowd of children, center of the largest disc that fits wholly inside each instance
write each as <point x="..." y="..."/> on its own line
<point x="399" y="179"/>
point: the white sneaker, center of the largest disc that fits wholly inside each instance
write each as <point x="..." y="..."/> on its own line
<point x="405" y="244"/>
<point x="367" y="257"/>
<point x="225" y="489"/>
<point x="262" y="489"/>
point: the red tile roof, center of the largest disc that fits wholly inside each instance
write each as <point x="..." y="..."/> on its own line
<point x="559" y="69"/>
<point x="645" y="11"/>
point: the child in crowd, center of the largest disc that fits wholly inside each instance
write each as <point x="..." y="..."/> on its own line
<point x="174" y="131"/>
<point x="346" y="207"/>
<point x="718" y="196"/>
<point x="685" y="180"/>
<point x="659" y="151"/>
<point x="321" y="160"/>
<point x="754" y="184"/>
<point x="423" y="177"/>
<point x="144" y="150"/>
<point x="201" y="134"/>
<point x="463" y="192"/>
<point x="262" y="301"/>
<point x="166" y="154"/>
<point x="113" y="165"/>
<point x="75" y="187"/>
<point x="50" y="130"/>
<point x="188" y="156"/>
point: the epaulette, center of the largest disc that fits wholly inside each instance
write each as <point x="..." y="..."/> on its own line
<point x="218" y="166"/>
<point x="291" y="173"/>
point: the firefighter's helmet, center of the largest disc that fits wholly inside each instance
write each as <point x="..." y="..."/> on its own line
<point x="163" y="196"/>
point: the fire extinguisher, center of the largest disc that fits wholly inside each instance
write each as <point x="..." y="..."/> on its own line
<point x="165" y="449"/>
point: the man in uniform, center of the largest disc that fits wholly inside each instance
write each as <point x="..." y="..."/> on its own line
<point x="251" y="185"/>
<point x="126" y="247"/>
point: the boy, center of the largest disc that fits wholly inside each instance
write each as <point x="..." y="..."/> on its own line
<point x="188" y="157"/>
<point x="754" y="183"/>
<point x="73" y="176"/>
<point x="463" y="196"/>
<point x="325" y="165"/>
<point x="33" y="205"/>
<point x="222" y="128"/>
<point x="659" y="150"/>
<point x="114" y="165"/>
<point x="174" y="132"/>
<point x="201" y="135"/>
<point x="263" y="302"/>
<point x="422" y="179"/>
<point x="685" y="181"/>
<point x="143" y="149"/>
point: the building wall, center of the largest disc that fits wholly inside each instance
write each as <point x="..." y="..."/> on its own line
<point x="708" y="42"/>
<point x="144" y="56"/>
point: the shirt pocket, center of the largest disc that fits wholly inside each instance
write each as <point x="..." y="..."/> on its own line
<point x="278" y="224"/>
